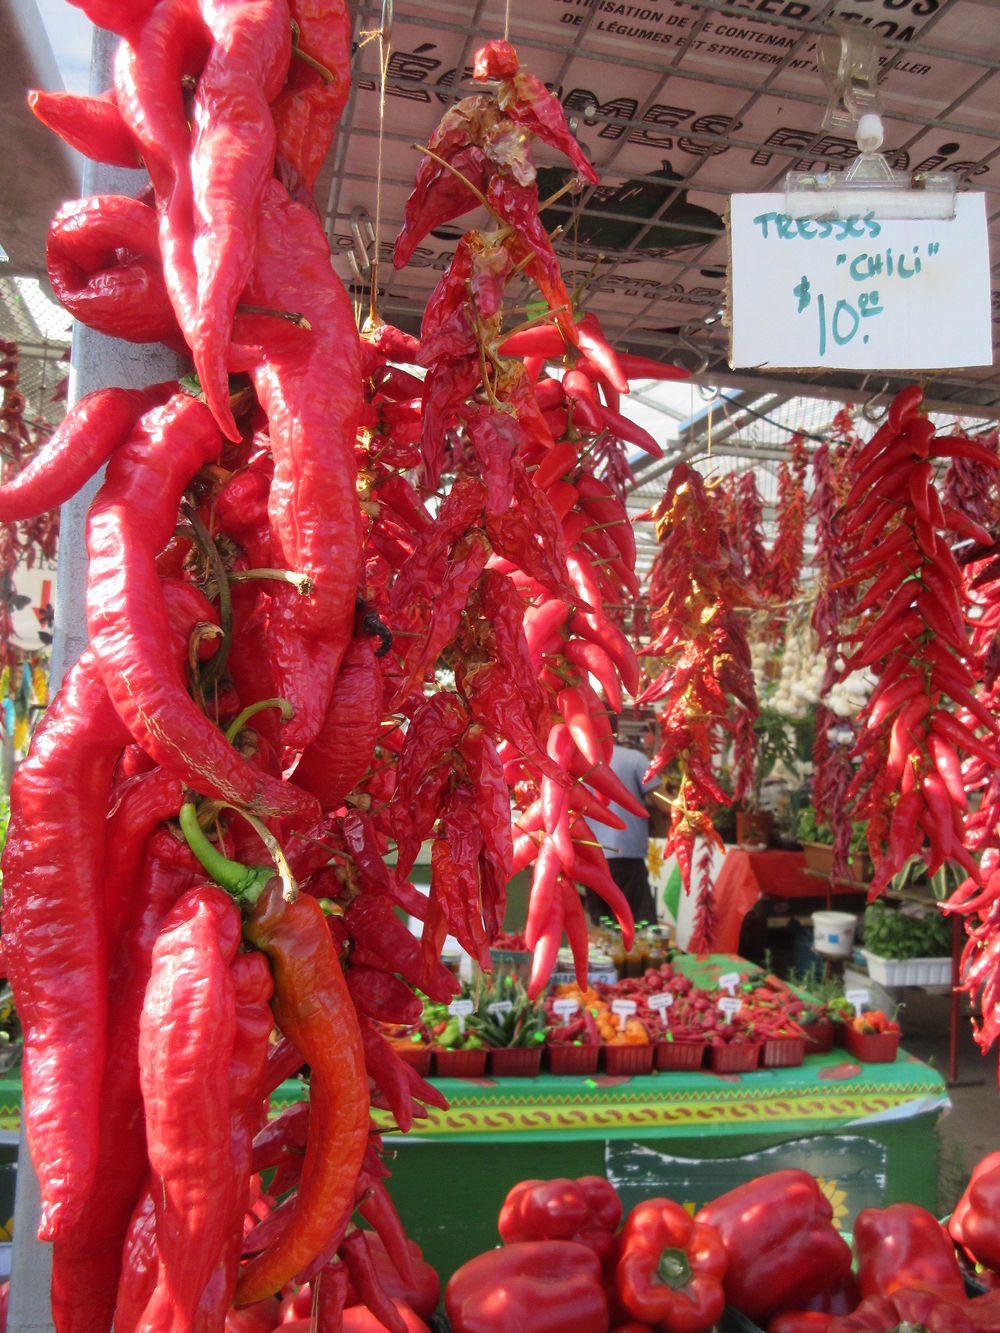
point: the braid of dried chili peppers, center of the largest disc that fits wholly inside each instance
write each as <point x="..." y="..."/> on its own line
<point x="55" y="942"/>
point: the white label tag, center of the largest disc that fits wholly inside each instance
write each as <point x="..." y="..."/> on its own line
<point x="565" y="1008"/>
<point x="461" y="1009"/>
<point x="729" y="981"/>
<point x="624" y="1009"/>
<point x="660" y="1002"/>
<point x="730" y="1005"/>
<point x="860" y="999"/>
<point x="859" y="293"/>
<point x="500" y="1007"/>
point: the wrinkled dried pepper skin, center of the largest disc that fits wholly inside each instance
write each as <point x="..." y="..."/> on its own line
<point x="310" y="387"/>
<point x="87" y="1258"/>
<point x="308" y="108"/>
<point x="186" y="1036"/>
<point x="131" y="519"/>
<point x="54" y="929"/>
<point x="313" y="1009"/>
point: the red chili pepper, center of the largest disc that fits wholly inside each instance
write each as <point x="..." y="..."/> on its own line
<point x="334" y="763"/>
<point x="150" y="68"/>
<point x="231" y="161"/>
<point x="904" y="407"/>
<point x="186" y="1038"/>
<point x="103" y="258"/>
<point x="364" y="1279"/>
<point x="310" y="390"/>
<point x="644" y="368"/>
<point x="608" y="636"/>
<point x="82" y="443"/>
<point x="55" y="943"/>
<point x="954" y="730"/>
<point x="91" y="125"/>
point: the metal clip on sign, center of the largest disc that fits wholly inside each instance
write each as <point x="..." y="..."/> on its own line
<point x="848" y="61"/>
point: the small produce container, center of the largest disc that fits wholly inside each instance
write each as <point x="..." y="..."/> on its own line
<point x="628" y="1058"/>
<point x="782" y="1052"/>
<point x="571" y="1059"/>
<point x="735" y="1057"/>
<point x="417" y="1054"/>
<point x="833" y="933"/>
<point x="467" y="1063"/>
<point x="515" y="1061"/>
<point x="679" y="1054"/>
<point x="820" y="1036"/>
<point x="871" y="1047"/>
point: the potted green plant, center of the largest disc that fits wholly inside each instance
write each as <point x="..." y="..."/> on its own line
<point x="777" y="742"/>
<point x="816" y="839"/>
<point x="512" y="1026"/>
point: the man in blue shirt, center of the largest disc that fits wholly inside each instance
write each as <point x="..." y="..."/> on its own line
<point x="626" y="848"/>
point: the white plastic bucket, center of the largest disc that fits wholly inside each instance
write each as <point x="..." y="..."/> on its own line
<point x="833" y="933"/>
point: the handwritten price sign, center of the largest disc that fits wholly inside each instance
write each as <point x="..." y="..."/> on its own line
<point x="858" y="293"/>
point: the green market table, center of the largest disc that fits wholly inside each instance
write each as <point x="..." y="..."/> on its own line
<point x="450" y="1175"/>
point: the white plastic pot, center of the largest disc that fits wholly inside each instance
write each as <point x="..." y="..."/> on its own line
<point x="833" y="933"/>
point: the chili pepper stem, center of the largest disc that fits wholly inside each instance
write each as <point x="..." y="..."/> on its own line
<point x="302" y="583"/>
<point x="293" y="316"/>
<point x="245" y="883"/>
<point x="213" y="670"/>
<point x="242" y="718"/>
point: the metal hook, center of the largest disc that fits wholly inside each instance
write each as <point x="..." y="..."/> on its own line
<point x="363" y="237"/>
<point x="866" y="409"/>
<point x="688" y="345"/>
<point x="386" y="28"/>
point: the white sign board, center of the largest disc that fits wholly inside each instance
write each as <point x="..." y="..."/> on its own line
<point x="859" y="293"/>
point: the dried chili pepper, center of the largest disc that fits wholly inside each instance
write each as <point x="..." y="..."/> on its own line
<point x="131" y="518"/>
<point x="92" y="125"/>
<point x="311" y="392"/>
<point x="55" y="943"/>
<point x="232" y="159"/>
<point x="308" y="108"/>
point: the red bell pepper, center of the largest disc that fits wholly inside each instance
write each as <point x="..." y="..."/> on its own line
<point x="905" y="1246"/>
<point x="975" y="1223"/>
<point x="782" y="1244"/>
<point x="541" y="1286"/>
<point x="587" y="1210"/>
<point x="800" y="1321"/>
<point x="359" y="1319"/>
<point x="670" y="1268"/>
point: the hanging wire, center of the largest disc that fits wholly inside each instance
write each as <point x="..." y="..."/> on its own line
<point x="383" y="34"/>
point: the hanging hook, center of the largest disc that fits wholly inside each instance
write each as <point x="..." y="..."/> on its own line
<point x="363" y="237"/>
<point x="386" y="26"/>
<point x="866" y="408"/>
<point x="689" y="346"/>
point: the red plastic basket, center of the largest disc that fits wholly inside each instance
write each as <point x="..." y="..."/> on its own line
<point x="782" y="1052"/>
<point x="631" y="1059"/>
<point x="679" y="1054"/>
<point x="460" y="1064"/>
<point x="819" y="1036"/>
<point x="874" y="1048"/>
<point x="573" y="1059"/>
<point x="416" y="1054"/>
<point x="515" y="1061"/>
<point x="739" y="1057"/>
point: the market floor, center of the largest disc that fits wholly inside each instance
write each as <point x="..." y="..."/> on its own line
<point x="971" y="1128"/>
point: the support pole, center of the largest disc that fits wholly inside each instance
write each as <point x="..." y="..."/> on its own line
<point x="96" y="362"/>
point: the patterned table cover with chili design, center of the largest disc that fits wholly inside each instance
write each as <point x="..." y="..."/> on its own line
<point x="826" y="1092"/>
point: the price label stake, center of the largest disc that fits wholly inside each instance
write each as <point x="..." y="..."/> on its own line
<point x="729" y="981"/>
<point x="660" y="1002"/>
<point x="860" y="999"/>
<point x="564" y="1009"/>
<point x="624" y="1009"/>
<point x="500" y="1007"/>
<point x="730" y="1006"/>
<point x="461" y="1009"/>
